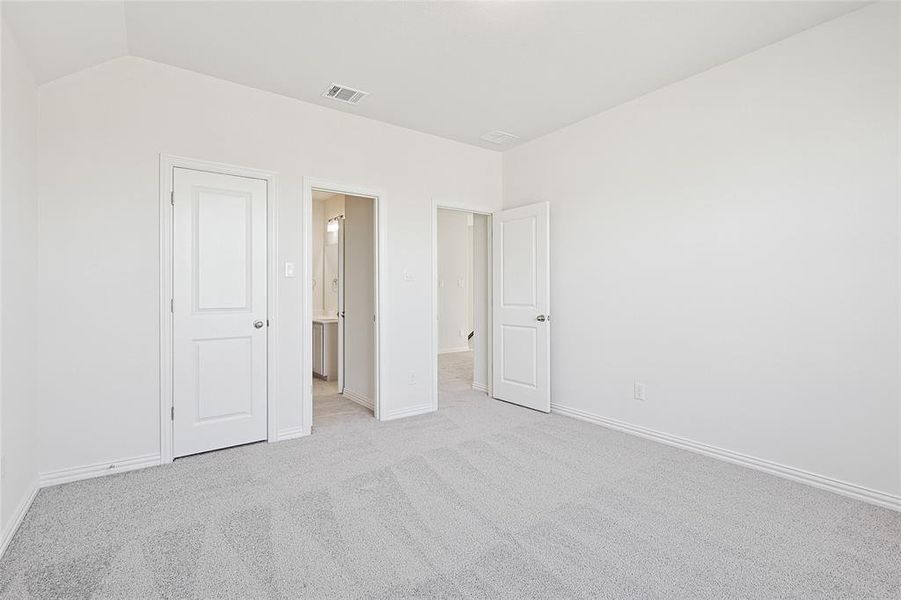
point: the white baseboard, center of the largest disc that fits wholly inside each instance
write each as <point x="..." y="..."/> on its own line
<point x="291" y="433"/>
<point x="49" y="478"/>
<point x="358" y="398"/>
<point x="453" y="350"/>
<point x="16" y="519"/>
<point x="844" y="488"/>
<point x="480" y="387"/>
<point x="420" y="409"/>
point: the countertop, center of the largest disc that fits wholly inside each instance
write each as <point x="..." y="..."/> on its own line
<point x="325" y="319"/>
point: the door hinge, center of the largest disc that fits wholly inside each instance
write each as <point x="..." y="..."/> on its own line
<point x="172" y="413"/>
<point x="172" y="305"/>
<point x="172" y="197"/>
<point x="267" y="322"/>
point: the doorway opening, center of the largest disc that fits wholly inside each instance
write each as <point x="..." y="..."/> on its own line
<point x="344" y="288"/>
<point x="462" y="292"/>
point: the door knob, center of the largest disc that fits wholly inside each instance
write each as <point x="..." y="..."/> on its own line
<point x="541" y="318"/>
<point x="258" y="324"/>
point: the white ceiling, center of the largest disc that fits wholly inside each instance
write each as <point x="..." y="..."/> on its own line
<point x="453" y="69"/>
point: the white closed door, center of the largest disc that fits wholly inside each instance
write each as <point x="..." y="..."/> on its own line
<point x="219" y="311"/>
<point x="521" y="303"/>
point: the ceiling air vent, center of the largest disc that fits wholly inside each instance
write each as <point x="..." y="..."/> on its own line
<point x="498" y="137"/>
<point x="342" y="93"/>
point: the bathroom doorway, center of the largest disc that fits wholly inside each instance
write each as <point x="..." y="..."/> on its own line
<point x="343" y="308"/>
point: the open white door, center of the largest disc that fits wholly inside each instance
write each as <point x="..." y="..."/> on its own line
<point x="341" y="305"/>
<point x="219" y="311"/>
<point x="521" y="302"/>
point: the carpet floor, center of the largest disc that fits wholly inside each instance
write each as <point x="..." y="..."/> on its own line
<point x="479" y="500"/>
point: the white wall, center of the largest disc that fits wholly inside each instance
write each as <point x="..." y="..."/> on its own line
<point x="454" y="272"/>
<point x="481" y="300"/>
<point x="326" y="205"/>
<point x="732" y="241"/>
<point x="18" y="285"/>
<point x="100" y="134"/>
<point x="333" y="207"/>
<point x="359" y="297"/>
<point x="318" y="255"/>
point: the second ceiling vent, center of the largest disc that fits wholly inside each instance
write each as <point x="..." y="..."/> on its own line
<point x="498" y="137"/>
<point x="345" y="94"/>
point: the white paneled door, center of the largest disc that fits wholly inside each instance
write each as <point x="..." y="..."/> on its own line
<point x="521" y="302"/>
<point x="219" y="310"/>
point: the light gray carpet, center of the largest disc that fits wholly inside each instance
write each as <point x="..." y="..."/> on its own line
<point x="481" y="500"/>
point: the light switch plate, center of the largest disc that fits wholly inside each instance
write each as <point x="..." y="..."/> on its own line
<point x="638" y="391"/>
<point x="289" y="269"/>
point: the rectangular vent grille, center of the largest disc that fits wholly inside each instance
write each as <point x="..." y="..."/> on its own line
<point x="498" y="137"/>
<point x="345" y="94"/>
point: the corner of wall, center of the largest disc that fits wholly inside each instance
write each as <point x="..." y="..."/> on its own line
<point x="18" y="287"/>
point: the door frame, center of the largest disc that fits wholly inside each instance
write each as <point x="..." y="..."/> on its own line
<point x="380" y="198"/>
<point x="168" y="163"/>
<point x="478" y="210"/>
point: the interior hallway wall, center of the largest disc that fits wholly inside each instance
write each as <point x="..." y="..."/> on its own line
<point x="732" y="241"/>
<point x="100" y="134"/>
<point x="454" y="287"/>
<point x="18" y="285"/>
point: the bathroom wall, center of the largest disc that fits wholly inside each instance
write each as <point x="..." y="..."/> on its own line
<point x="325" y="252"/>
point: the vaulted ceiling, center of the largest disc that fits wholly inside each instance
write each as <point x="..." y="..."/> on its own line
<point x="452" y="69"/>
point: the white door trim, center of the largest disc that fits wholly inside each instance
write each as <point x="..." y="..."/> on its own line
<point x="381" y="292"/>
<point x="470" y="208"/>
<point x="168" y="163"/>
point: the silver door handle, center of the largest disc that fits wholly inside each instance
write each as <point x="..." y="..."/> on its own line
<point x="258" y="324"/>
<point x="541" y="318"/>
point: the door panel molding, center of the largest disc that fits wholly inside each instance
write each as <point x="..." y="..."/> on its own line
<point x="522" y="305"/>
<point x="167" y="165"/>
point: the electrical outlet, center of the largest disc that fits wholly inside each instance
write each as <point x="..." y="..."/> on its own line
<point x="411" y="379"/>
<point x="638" y="391"/>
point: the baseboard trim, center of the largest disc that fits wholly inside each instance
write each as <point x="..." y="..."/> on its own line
<point x="291" y="433"/>
<point x="358" y="398"/>
<point x="454" y="350"/>
<point x="837" y="486"/>
<point x="50" y="478"/>
<point x="409" y="412"/>
<point x="480" y="387"/>
<point x="17" y="517"/>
